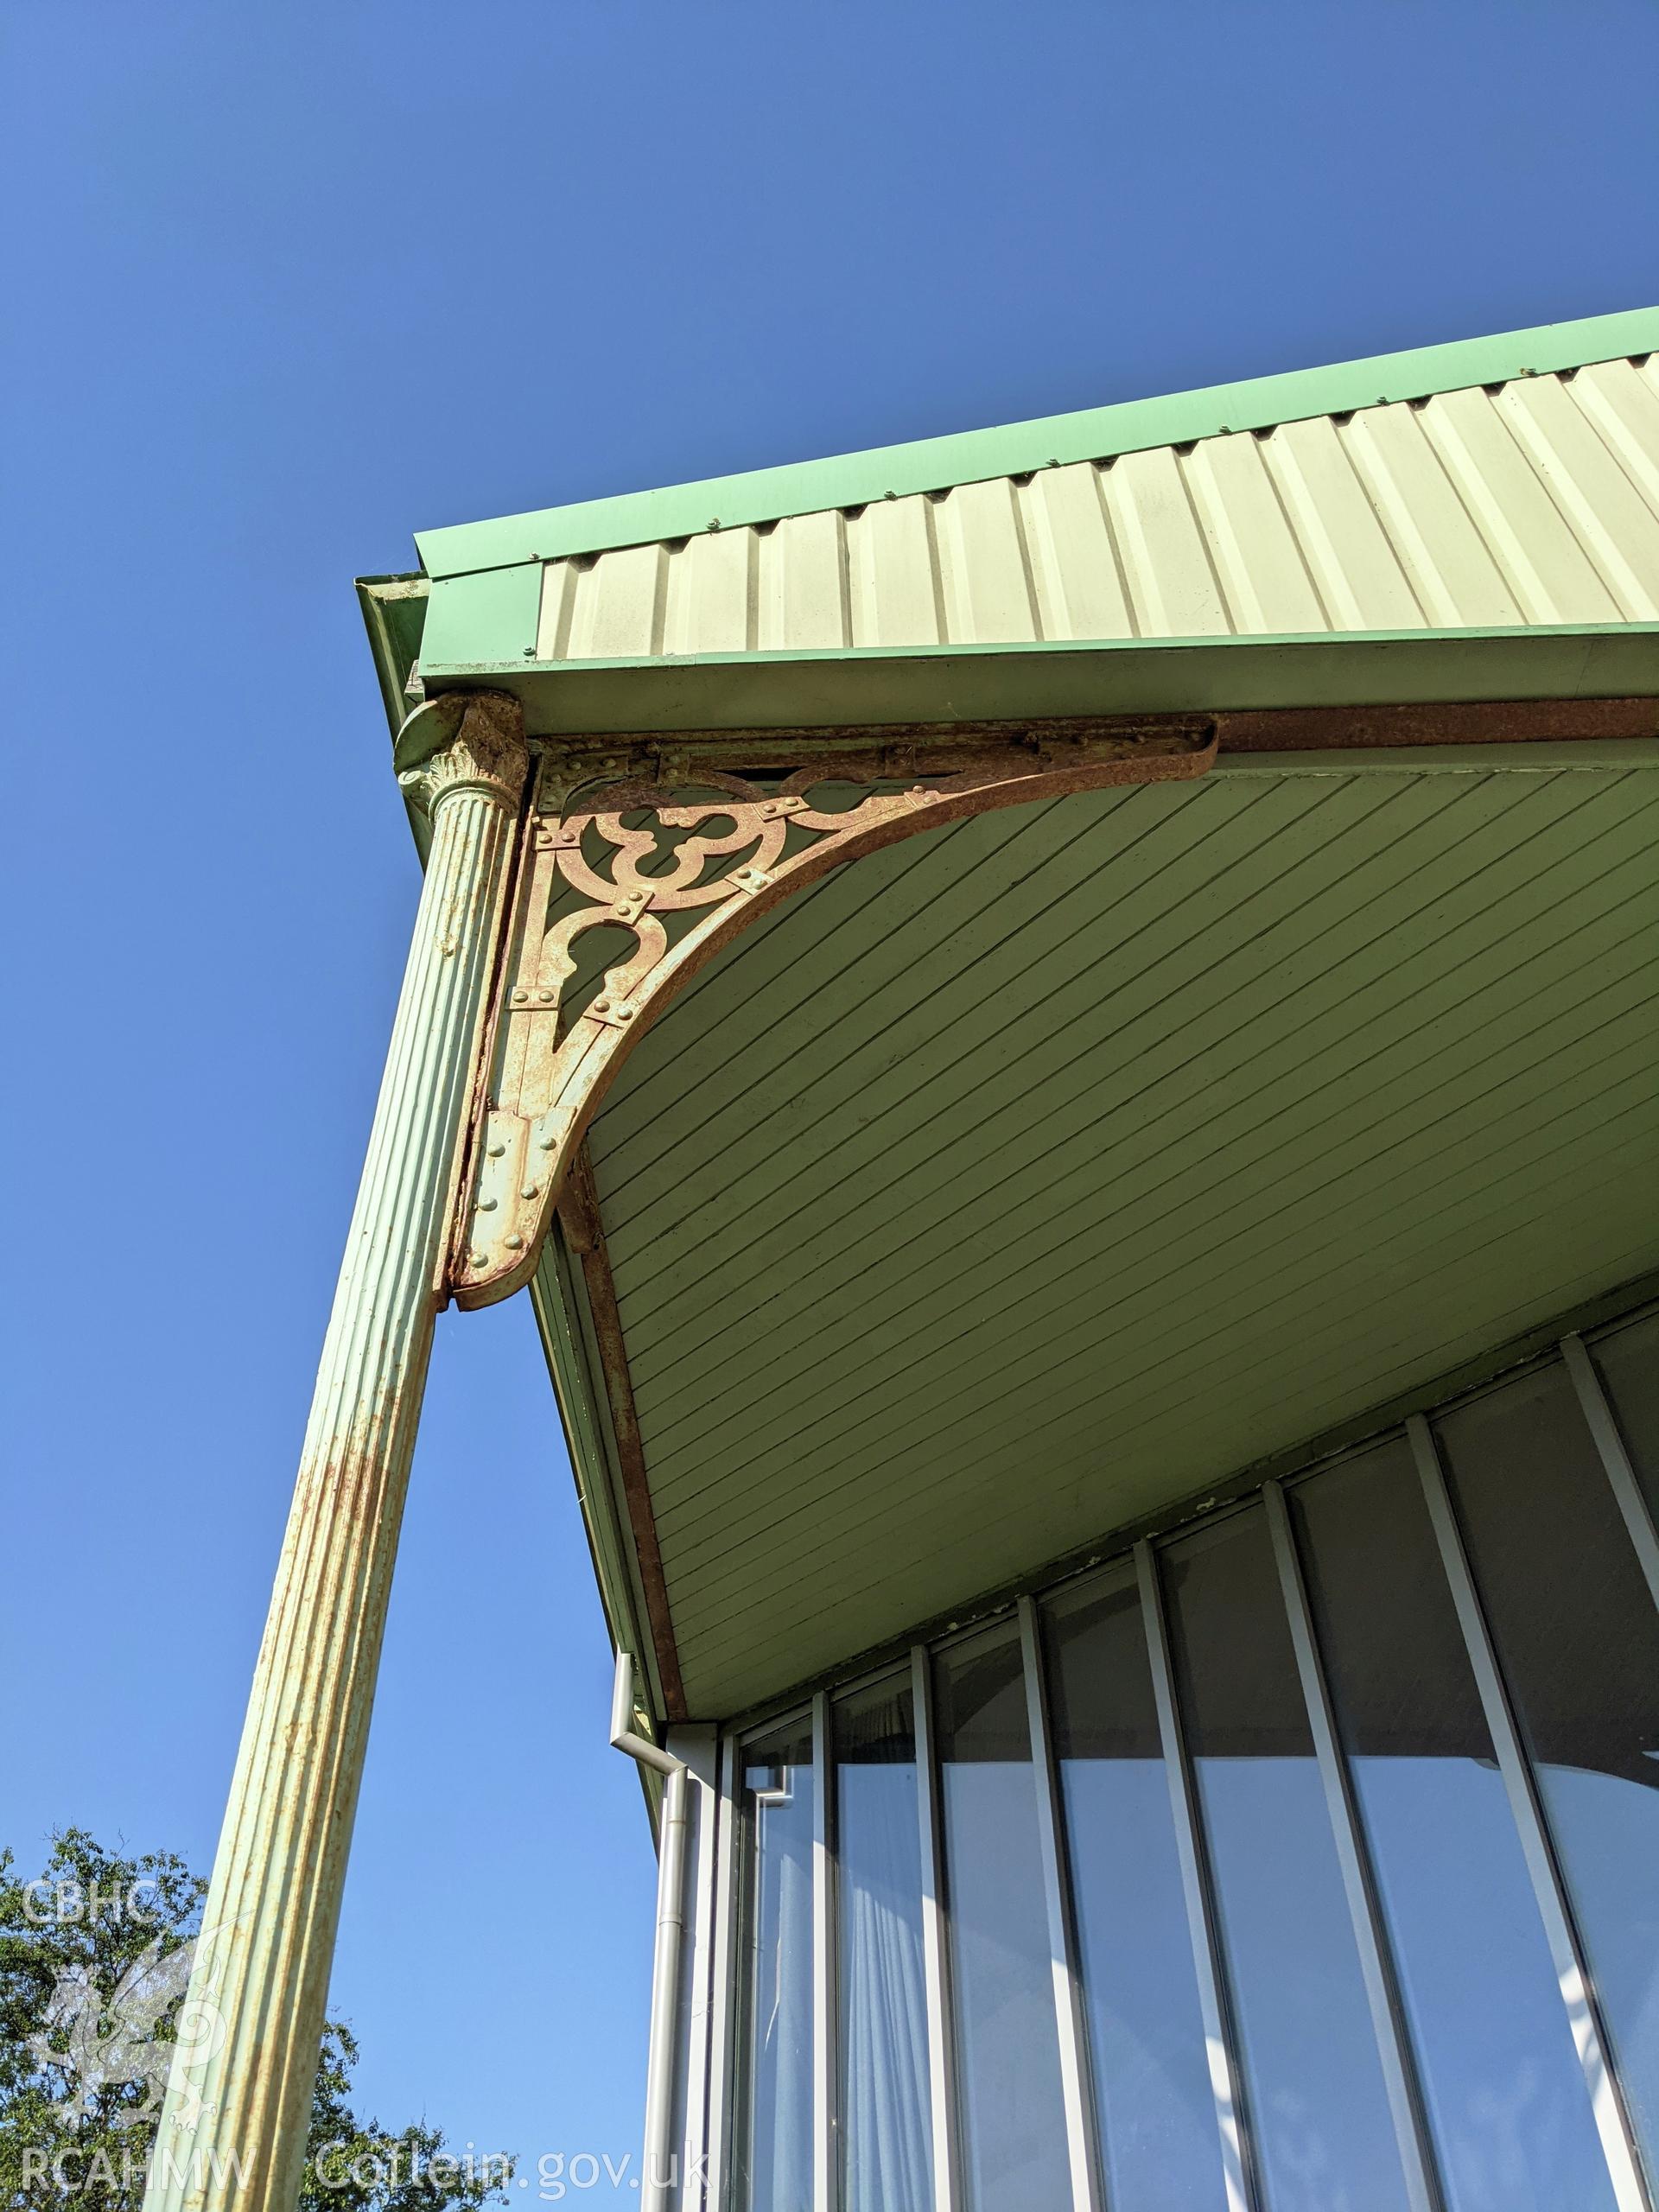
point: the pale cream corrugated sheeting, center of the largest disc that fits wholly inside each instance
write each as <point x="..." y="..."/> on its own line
<point x="1534" y="502"/>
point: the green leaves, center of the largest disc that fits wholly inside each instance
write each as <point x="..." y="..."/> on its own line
<point x="94" y="1954"/>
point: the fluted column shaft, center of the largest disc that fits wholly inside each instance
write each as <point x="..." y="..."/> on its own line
<point x="240" y="2096"/>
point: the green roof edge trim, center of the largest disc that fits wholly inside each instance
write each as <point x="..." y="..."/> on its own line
<point x="1088" y="434"/>
<point x="1045" y="677"/>
<point x="394" y="615"/>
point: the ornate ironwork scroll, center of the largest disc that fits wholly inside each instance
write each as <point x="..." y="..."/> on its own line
<point x="679" y="868"/>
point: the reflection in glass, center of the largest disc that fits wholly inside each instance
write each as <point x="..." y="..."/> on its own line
<point x="1578" y="1639"/>
<point x="774" y="2135"/>
<point x="1506" y="2096"/>
<point x="1008" y="2044"/>
<point x="886" y="2154"/>
<point x="1629" y="1361"/>
<point x="1318" y="2107"/>
<point x="1159" y="2144"/>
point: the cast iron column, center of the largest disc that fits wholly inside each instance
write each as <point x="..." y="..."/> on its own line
<point x="240" y="2094"/>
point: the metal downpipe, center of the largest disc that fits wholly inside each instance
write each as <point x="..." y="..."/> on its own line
<point x="657" y="2181"/>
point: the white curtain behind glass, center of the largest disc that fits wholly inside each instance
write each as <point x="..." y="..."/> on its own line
<point x="884" y="2039"/>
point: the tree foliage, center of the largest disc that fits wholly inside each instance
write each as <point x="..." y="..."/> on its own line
<point x="93" y="1956"/>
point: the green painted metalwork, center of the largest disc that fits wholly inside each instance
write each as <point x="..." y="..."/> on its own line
<point x="497" y="606"/>
<point x="958" y="682"/>
<point x="1006" y="1184"/>
<point x="233" y="2131"/>
<point x="394" y="614"/>
<point x="1088" y="434"/>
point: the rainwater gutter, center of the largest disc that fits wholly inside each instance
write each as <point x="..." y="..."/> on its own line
<point x="658" y="2179"/>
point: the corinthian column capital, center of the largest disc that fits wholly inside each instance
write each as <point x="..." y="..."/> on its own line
<point x="464" y="741"/>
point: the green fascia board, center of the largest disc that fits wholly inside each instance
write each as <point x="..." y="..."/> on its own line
<point x="965" y="683"/>
<point x="1090" y="434"/>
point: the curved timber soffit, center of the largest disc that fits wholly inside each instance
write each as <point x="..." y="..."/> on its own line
<point x="682" y="857"/>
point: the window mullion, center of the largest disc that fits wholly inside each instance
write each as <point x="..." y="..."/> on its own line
<point x="1075" y="2087"/>
<point x="1608" y="2103"/>
<point x="941" y="2057"/>
<point x="1200" y="1907"/>
<point x="1382" y="1989"/>
<point x="1598" y="1414"/>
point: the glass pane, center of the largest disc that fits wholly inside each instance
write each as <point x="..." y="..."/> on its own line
<point x="1007" y="2046"/>
<point x="1629" y="1361"/>
<point x="1506" y="2095"/>
<point x="1316" y="2101"/>
<point x="886" y="2151"/>
<point x="774" y="2135"/>
<point x="1160" y="2144"/>
<point x="1578" y="1639"/>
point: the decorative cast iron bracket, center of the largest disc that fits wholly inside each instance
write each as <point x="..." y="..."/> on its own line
<point x="682" y="858"/>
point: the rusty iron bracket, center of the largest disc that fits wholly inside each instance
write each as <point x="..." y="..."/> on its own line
<point x="681" y="867"/>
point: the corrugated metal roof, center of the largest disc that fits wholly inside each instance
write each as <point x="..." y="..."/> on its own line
<point x="1088" y="434"/>
<point x="1532" y="503"/>
<point x="1018" y="1179"/>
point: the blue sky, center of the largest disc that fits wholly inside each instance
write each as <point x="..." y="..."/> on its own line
<point x="285" y="285"/>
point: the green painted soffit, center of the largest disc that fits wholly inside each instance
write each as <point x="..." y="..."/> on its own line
<point x="1090" y="434"/>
